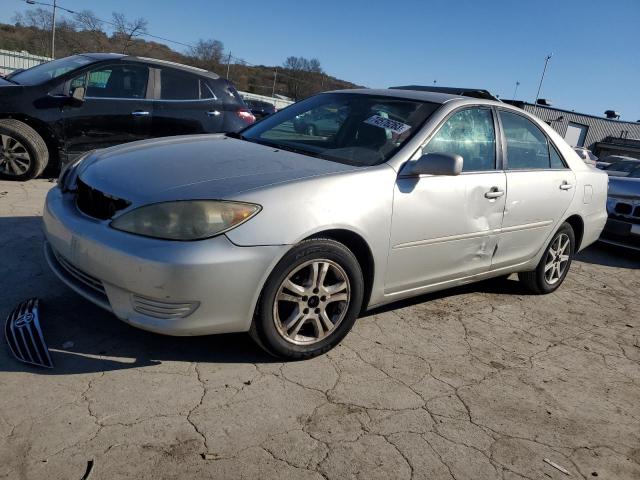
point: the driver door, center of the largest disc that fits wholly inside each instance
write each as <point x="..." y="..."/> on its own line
<point x="447" y="227"/>
<point x="115" y="109"/>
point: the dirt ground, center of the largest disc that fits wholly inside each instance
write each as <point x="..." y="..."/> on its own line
<point x="481" y="382"/>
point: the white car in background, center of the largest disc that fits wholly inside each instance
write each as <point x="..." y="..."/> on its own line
<point x="586" y="155"/>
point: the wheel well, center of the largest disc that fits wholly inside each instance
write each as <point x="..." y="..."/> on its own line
<point x="45" y="132"/>
<point x="577" y="224"/>
<point x="362" y="252"/>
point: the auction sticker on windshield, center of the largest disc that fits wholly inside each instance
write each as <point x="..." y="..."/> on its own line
<point x="393" y="125"/>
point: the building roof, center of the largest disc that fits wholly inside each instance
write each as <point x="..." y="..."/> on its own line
<point x="521" y="104"/>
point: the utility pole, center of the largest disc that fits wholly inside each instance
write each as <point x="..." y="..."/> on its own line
<point x="546" y="61"/>
<point x="53" y="30"/>
<point x="228" y="64"/>
<point x="53" y="21"/>
<point x="515" y="91"/>
<point x="275" y="76"/>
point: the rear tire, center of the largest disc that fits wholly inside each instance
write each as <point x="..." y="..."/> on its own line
<point x="554" y="264"/>
<point x="310" y="301"/>
<point x="23" y="153"/>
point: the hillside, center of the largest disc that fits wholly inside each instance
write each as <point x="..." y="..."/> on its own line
<point x="297" y="78"/>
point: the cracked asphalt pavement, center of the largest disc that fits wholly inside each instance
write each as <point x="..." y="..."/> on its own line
<point x="481" y="382"/>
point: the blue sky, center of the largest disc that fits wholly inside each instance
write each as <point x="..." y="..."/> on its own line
<point x="487" y="44"/>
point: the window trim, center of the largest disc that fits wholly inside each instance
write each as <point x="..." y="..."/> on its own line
<point x="550" y="143"/>
<point x="498" y="157"/>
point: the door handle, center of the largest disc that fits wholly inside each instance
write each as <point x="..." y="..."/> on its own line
<point x="213" y="113"/>
<point x="140" y="113"/>
<point x="566" y="185"/>
<point x="494" y="193"/>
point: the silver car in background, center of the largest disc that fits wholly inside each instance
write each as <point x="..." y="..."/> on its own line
<point x="290" y="234"/>
<point x="623" y="204"/>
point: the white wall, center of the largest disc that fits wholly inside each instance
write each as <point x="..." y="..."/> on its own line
<point x="10" y="61"/>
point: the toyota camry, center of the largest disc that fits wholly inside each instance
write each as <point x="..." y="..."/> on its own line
<point x="291" y="233"/>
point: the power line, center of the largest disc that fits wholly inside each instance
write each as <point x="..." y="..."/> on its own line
<point x="146" y="34"/>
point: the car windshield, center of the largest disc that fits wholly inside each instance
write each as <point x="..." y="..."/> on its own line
<point x="47" y="71"/>
<point x="635" y="173"/>
<point x="349" y="128"/>
<point x="624" y="166"/>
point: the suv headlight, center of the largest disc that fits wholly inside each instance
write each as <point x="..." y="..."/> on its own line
<point x="185" y="220"/>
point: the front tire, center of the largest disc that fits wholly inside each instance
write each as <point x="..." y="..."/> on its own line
<point x="310" y="301"/>
<point x="554" y="264"/>
<point x="23" y="152"/>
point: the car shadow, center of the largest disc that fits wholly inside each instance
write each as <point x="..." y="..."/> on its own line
<point x="610" y="256"/>
<point x="83" y="338"/>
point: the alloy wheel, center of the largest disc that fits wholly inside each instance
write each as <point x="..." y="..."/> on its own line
<point x="311" y="301"/>
<point x="557" y="259"/>
<point x="14" y="157"/>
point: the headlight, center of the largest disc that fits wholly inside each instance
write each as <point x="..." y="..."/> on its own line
<point x="185" y="220"/>
<point x="611" y="204"/>
<point x="67" y="176"/>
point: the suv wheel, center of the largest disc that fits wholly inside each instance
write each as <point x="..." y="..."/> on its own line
<point x="554" y="264"/>
<point x="310" y="301"/>
<point x="23" y="153"/>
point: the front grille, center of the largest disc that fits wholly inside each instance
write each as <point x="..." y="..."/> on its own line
<point x="96" y="204"/>
<point x="82" y="277"/>
<point x="623" y="208"/>
<point x="162" y="309"/>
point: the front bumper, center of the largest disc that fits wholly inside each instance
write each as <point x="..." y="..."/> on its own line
<point x="621" y="233"/>
<point x="174" y="288"/>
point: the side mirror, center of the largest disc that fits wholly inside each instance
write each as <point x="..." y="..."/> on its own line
<point x="435" y="164"/>
<point x="77" y="97"/>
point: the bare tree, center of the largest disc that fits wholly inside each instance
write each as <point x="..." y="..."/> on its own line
<point x="303" y="76"/>
<point x="125" y="31"/>
<point x="207" y="53"/>
<point x="87" y="20"/>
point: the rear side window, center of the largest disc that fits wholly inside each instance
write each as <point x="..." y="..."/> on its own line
<point x="556" y="159"/>
<point x="469" y="133"/>
<point x="177" y="85"/>
<point x="527" y="146"/>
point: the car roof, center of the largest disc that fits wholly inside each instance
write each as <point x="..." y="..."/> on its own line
<point x="153" y="61"/>
<point x="433" y="97"/>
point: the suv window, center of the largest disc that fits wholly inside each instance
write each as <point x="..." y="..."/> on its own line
<point x="114" y="81"/>
<point x="527" y="146"/>
<point x="469" y="133"/>
<point x="177" y="85"/>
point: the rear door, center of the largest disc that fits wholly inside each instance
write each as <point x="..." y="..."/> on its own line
<point x="115" y="110"/>
<point x="540" y="188"/>
<point x="185" y="104"/>
<point x="446" y="227"/>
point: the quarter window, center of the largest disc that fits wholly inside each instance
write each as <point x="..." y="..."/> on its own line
<point x="469" y="133"/>
<point x="527" y="146"/>
<point x="116" y="81"/>
<point x="176" y="85"/>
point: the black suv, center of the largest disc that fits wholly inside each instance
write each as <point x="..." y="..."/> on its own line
<point x="57" y="110"/>
<point x="259" y="108"/>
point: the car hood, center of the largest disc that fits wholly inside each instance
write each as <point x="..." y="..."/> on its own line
<point x="624" y="187"/>
<point x="195" y="167"/>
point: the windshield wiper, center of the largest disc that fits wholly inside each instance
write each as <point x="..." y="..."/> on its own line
<point x="288" y="148"/>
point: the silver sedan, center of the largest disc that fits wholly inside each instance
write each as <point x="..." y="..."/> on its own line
<point x="291" y="233"/>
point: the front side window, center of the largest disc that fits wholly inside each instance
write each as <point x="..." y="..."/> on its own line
<point x="527" y="146"/>
<point x="471" y="134"/>
<point x="177" y="85"/>
<point x="349" y="128"/>
<point x="114" y="81"/>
